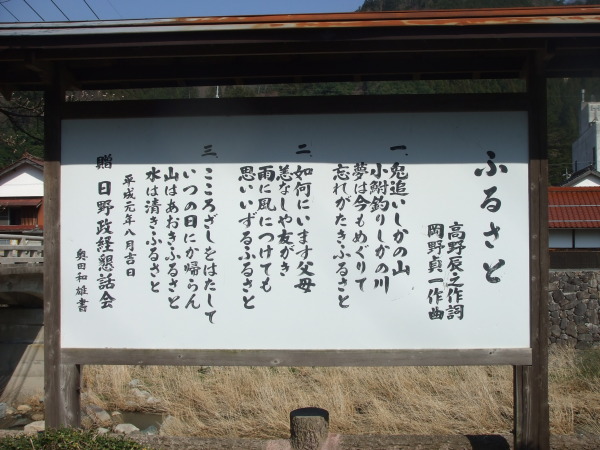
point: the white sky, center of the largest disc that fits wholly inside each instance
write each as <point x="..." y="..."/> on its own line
<point x="50" y="10"/>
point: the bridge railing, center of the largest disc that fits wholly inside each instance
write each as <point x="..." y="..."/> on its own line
<point x="21" y="249"/>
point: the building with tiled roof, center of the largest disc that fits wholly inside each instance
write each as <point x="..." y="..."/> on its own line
<point x="574" y="207"/>
<point x="22" y="195"/>
<point x="574" y="227"/>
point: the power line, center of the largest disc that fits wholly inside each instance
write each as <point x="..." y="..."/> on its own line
<point x="94" y="12"/>
<point x="8" y="10"/>
<point x="61" y="11"/>
<point x="25" y="1"/>
<point x="115" y="9"/>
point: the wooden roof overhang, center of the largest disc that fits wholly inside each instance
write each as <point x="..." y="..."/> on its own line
<point x="487" y="43"/>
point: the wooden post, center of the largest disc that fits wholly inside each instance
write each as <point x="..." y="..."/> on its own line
<point x="531" y="411"/>
<point x="309" y="428"/>
<point x="61" y="382"/>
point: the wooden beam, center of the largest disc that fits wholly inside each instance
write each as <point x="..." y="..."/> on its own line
<point x="296" y="105"/>
<point x="286" y="358"/>
<point x="61" y="382"/>
<point x="531" y="410"/>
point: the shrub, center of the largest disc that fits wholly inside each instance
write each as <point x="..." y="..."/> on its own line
<point x="68" y="439"/>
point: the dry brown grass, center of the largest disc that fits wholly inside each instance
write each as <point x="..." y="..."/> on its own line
<point x="256" y="401"/>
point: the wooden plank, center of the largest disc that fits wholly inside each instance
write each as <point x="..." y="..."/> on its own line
<point x="531" y="409"/>
<point x="296" y="105"/>
<point x="61" y="383"/>
<point x="347" y="358"/>
<point x="584" y="259"/>
<point x="52" y="251"/>
<point x="70" y="388"/>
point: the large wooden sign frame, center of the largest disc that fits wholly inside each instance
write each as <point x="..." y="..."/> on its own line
<point x="375" y="230"/>
<point x="63" y="363"/>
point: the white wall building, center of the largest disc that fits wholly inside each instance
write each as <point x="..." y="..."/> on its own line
<point x="21" y="195"/>
<point x="585" y="148"/>
<point x="23" y="181"/>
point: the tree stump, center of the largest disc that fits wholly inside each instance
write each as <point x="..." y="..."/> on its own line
<point x="309" y="428"/>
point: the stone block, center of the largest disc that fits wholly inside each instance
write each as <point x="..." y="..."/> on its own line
<point x="35" y="427"/>
<point x="125" y="428"/>
<point x="98" y="415"/>
<point x="580" y="309"/>
<point x="582" y="295"/>
<point x="582" y="328"/>
<point x="86" y="422"/>
<point x="571" y="303"/>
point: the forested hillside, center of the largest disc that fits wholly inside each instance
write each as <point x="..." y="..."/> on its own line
<point x="21" y="121"/>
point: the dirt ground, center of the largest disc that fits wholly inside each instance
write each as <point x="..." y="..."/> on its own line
<point x="363" y="442"/>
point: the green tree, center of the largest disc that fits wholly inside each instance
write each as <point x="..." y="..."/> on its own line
<point x="21" y="126"/>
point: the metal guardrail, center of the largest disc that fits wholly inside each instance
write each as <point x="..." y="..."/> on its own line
<point x="21" y="249"/>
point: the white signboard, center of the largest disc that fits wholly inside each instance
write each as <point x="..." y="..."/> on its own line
<point x="332" y="231"/>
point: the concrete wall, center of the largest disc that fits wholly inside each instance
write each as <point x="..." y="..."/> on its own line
<point x="22" y="350"/>
<point x="574" y="308"/>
